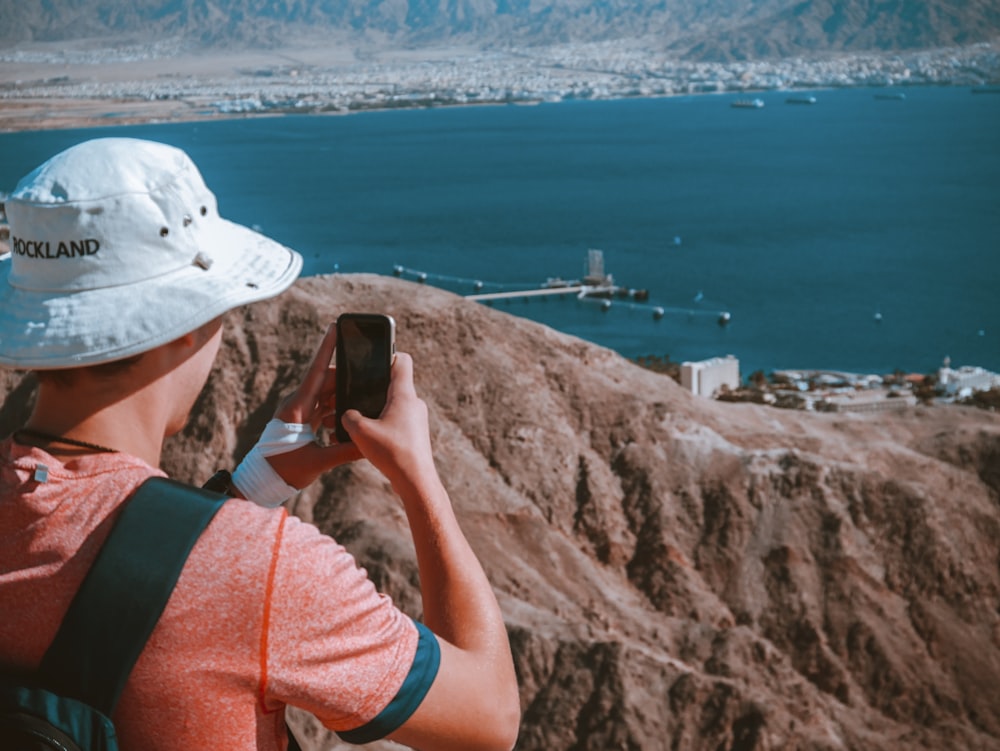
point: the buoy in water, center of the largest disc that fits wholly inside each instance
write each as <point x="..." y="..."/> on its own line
<point x="397" y="270"/>
<point x="724" y="319"/>
<point x="657" y="313"/>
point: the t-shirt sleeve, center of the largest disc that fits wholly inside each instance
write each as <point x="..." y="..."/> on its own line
<point x="334" y="646"/>
<point x="418" y="682"/>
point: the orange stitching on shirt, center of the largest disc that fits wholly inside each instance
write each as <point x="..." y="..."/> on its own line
<point x="266" y="625"/>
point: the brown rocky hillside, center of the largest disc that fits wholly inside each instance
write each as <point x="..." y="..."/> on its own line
<point x="676" y="573"/>
<point x="716" y="30"/>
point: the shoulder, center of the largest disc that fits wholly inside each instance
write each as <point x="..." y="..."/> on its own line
<point x="65" y="505"/>
<point x="268" y="553"/>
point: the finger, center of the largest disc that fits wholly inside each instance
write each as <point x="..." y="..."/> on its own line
<point x="402" y="373"/>
<point x="325" y="405"/>
<point x="361" y="429"/>
<point x="318" y="371"/>
<point x="299" y="406"/>
<point x="327" y="398"/>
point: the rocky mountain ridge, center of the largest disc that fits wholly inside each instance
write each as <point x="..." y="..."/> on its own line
<point x="674" y="572"/>
<point x="694" y="29"/>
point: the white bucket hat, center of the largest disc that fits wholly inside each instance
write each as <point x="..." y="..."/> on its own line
<point x="117" y="247"/>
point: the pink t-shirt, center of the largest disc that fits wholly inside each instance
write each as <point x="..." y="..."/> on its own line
<point x="267" y="612"/>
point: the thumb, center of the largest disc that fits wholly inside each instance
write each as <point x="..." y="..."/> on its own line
<point x="352" y="419"/>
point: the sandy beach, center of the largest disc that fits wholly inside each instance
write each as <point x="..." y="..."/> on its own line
<point x="45" y="86"/>
<point x="99" y="83"/>
<point x="66" y="113"/>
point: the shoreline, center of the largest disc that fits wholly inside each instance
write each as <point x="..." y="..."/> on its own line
<point x="44" y="88"/>
<point x="72" y="114"/>
<point x="69" y="113"/>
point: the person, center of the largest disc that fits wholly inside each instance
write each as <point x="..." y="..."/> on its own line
<point x="119" y="274"/>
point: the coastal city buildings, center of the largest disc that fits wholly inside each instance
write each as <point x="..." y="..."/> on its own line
<point x="834" y="391"/>
<point x="868" y="402"/>
<point x="961" y="383"/>
<point x="306" y="82"/>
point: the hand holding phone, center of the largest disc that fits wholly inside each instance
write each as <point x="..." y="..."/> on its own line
<point x="366" y="343"/>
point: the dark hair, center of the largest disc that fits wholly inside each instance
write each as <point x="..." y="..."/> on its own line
<point x="104" y="370"/>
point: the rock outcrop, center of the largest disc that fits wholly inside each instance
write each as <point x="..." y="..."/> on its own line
<point x="676" y="573"/>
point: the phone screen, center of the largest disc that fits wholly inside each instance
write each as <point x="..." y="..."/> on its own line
<point x="365" y="345"/>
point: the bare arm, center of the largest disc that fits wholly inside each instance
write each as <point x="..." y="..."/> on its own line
<point x="473" y="703"/>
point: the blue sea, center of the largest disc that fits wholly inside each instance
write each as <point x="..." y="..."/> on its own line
<point x="856" y="234"/>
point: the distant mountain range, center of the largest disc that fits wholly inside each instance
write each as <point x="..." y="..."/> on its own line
<point x="695" y="29"/>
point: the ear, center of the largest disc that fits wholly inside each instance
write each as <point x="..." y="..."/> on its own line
<point x="189" y="339"/>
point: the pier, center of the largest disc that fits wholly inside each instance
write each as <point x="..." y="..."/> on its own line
<point x="596" y="286"/>
<point x="579" y="291"/>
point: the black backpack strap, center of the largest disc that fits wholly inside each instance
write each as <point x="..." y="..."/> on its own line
<point x="125" y="591"/>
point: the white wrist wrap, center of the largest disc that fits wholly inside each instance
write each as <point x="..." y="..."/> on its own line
<point x="255" y="478"/>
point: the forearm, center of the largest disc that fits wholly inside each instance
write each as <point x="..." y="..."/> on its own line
<point x="474" y="703"/>
<point x="459" y="604"/>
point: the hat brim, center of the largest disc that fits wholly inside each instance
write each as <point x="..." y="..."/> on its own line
<point x="49" y="331"/>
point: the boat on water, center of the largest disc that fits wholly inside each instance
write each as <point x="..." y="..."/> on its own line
<point x="801" y="100"/>
<point x="754" y="104"/>
<point x="891" y="96"/>
<point x="555" y="282"/>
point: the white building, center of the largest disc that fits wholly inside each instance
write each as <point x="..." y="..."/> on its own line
<point x="869" y="402"/>
<point x="965" y="380"/>
<point x="707" y="377"/>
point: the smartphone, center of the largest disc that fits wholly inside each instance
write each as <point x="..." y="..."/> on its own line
<point x="366" y="343"/>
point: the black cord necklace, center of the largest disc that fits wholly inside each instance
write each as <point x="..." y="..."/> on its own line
<point x="49" y="438"/>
